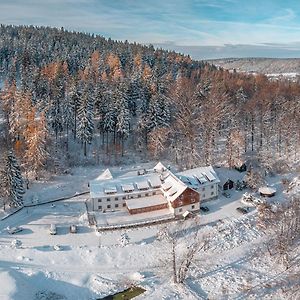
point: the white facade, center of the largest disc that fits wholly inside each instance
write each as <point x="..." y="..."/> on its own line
<point x="204" y="180"/>
<point x="109" y="194"/>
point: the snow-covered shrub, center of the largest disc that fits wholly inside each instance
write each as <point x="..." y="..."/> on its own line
<point x="124" y="240"/>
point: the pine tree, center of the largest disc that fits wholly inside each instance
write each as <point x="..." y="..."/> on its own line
<point x="13" y="181"/>
<point x="86" y="119"/>
<point x="120" y="100"/>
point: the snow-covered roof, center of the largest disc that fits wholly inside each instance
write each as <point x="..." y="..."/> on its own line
<point x="266" y="190"/>
<point x="159" y="168"/>
<point x="142" y="185"/>
<point x="175" y="187"/>
<point x="104" y="176"/>
<point x="172" y="186"/>
<point x="110" y="190"/>
<point x="124" y="185"/>
<point x="155" y="182"/>
<point x="224" y="174"/>
<point x="127" y="187"/>
<point x="145" y="201"/>
<point x="166" y="186"/>
<point x="199" y="176"/>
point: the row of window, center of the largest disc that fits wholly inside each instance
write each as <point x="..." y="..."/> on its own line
<point x="203" y="189"/>
<point x="110" y="206"/>
<point x="128" y="197"/>
<point x="180" y="209"/>
<point x="212" y="193"/>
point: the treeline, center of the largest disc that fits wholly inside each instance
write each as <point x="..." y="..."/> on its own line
<point x="66" y="93"/>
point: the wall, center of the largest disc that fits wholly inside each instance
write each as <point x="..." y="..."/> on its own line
<point x="147" y="209"/>
<point x="206" y="194"/>
<point x="188" y="196"/>
<point x="180" y="210"/>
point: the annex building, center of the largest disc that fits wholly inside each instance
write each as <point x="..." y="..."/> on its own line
<point x="154" y="189"/>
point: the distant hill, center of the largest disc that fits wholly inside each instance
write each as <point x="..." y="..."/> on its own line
<point x="260" y="65"/>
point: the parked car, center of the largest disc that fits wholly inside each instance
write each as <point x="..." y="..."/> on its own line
<point x="53" y="229"/>
<point x="73" y="229"/>
<point x="14" y="230"/>
<point x="243" y="210"/>
<point x="204" y="208"/>
<point x="227" y="195"/>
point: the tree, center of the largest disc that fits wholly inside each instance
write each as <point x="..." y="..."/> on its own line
<point x="124" y="239"/>
<point x="13" y="181"/>
<point x="35" y="153"/>
<point x="184" y="244"/>
<point x="234" y="147"/>
<point x="123" y="116"/>
<point x="86" y="119"/>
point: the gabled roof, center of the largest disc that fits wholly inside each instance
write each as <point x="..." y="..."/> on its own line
<point x="159" y="168"/>
<point x="104" y="176"/>
<point x="199" y="176"/>
<point x="175" y="187"/>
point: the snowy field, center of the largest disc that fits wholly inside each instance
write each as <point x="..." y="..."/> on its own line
<point x="91" y="265"/>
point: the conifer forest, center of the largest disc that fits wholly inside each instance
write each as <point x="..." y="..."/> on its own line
<point x="70" y="98"/>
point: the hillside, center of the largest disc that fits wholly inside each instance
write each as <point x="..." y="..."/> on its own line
<point x="260" y="65"/>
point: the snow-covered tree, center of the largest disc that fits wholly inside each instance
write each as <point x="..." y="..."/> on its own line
<point x="86" y="119"/>
<point x="124" y="239"/>
<point x="35" y="153"/>
<point x="13" y="181"/>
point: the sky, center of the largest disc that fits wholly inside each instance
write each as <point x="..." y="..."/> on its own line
<point x="205" y="29"/>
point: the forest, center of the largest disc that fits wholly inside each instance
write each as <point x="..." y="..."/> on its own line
<point x="71" y="98"/>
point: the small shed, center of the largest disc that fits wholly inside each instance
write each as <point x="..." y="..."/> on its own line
<point x="267" y="191"/>
<point x="228" y="185"/>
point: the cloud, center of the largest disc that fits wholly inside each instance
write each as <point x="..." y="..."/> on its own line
<point x="236" y="50"/>
<point x="219" y="26"/>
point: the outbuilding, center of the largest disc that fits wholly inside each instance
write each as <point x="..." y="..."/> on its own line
<point x="228" y="185"/>
<point x="267" y="191"/>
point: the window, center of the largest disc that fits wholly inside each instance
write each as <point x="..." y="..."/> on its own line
<point x="131" y="196"/>
<point x="203" y="189"/>
<point x="116" y="199"/>
<point x="124" y="204"/>
<point x="116" y="205"/>
<point x="99" y="200"/>
<point x="203" y="196"/>
<point x="212" y="193"/>
<point x="108" y="206"/>
<point x="180" y="209"/>
<point x="139" y="196"/>
<point x="100" y="207"/>
<point x="193" y="206"/>
<point x="146" y="194"/>
<point x="108" y="199"/>
<point x="154" y="193"/>
<point x="124" y="198"/>
<point x="193" y="200"/>
<point x="211" y="186"/>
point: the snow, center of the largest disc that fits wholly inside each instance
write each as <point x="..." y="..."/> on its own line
<point x="104" y="176"/>
<point x="8" y="285"/>
<point x="122" y="185"/>
<point x="121" y="218"/>
<point x="145" y="201"/>
<point x="266" y="190"/>
<point x="202" y="173"/>
<point x="93" y="264"/>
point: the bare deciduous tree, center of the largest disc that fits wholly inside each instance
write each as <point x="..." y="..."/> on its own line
<point x="184" y="245"/>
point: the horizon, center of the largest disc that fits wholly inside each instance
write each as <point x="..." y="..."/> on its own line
<point x="203" y="29"/>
